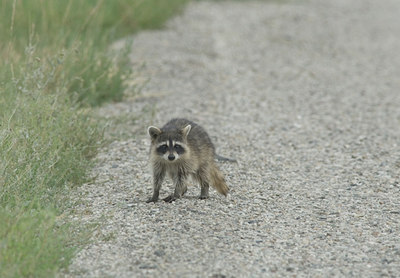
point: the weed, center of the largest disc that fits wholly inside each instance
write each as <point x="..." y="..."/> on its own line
<point x="56" y="66"/>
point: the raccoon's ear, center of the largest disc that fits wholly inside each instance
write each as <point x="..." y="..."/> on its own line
<point x="153" y="132"/>
<point x="186" y="130"/>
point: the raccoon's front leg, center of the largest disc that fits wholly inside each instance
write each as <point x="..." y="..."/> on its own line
<point x="158" y="177"/>
<point x="180" y="188"/>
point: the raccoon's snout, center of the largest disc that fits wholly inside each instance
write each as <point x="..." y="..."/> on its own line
<point x="171" y="157"/>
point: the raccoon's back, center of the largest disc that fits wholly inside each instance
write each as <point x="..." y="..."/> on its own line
<point x="200" y="143"/>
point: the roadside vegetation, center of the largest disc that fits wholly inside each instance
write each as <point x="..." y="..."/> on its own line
<point x="56" y="66"/>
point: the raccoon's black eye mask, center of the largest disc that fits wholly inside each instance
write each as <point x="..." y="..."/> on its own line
<point x="179" y="149"/>
<point x="162" y="149"/>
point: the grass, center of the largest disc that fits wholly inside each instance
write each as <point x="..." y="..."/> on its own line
<point x="83" y="28"/>
<point x="56" y="66"/>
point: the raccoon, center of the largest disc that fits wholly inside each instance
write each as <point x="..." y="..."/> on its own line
<point x="182" y="148"/>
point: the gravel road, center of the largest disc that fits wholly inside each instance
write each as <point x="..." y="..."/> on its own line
<point x="306" y="96"/>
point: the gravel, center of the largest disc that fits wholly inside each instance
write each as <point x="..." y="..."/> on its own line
<point x="305" y="95"/>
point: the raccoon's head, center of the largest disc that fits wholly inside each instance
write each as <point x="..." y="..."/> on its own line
<point x="169" y="144"/>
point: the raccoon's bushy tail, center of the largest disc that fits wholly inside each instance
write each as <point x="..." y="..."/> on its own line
<point x="218" y="181"/>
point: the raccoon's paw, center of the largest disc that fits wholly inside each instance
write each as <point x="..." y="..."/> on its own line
<point x="170" y="199"/>
<point x="203" y="197"/>
<point x="152" y="200"/>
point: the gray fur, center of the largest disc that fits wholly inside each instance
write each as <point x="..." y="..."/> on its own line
<point x="153" y="131"/>
<point x="223" y="158"/>
<point x="182" y="148"/>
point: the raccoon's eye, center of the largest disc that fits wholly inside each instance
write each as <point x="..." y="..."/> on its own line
<point x="179" y="148"/>
<point x="162" y="148"/>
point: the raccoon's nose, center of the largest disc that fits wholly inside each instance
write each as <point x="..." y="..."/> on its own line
<point x="171" y="157"/>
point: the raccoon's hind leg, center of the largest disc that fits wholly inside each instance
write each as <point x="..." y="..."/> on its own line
<point x="204" y="191"/>
<point x="201" y="177"/>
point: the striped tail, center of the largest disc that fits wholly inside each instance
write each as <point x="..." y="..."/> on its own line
<point x="218" y="181"/>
